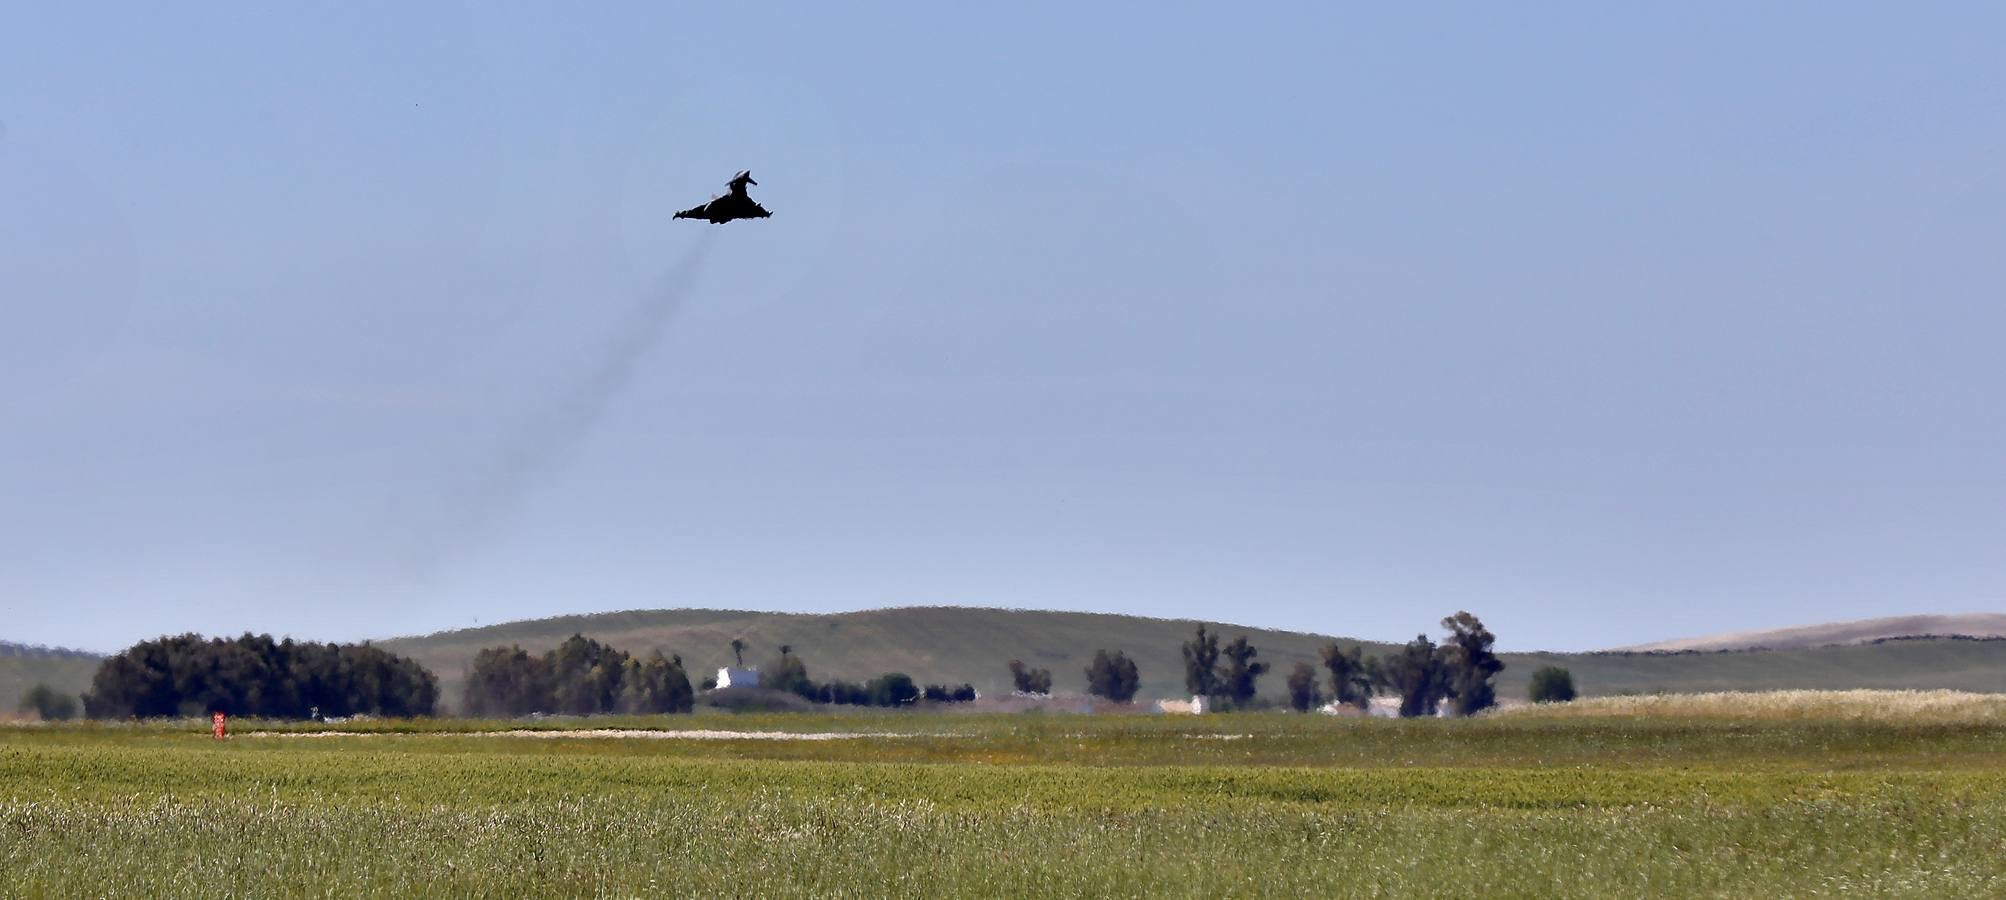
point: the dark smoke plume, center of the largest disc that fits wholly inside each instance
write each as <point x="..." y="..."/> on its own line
<point x="549" y="438"/>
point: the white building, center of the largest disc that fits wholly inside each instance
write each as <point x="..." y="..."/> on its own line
<point x="729" y="677"/>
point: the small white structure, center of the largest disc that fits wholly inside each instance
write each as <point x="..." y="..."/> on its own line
<point x="1195" y="706"/>
<point x="729" y="677"/>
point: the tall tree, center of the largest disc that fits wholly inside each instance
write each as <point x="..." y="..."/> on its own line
<point x="587" y="676"/>
<point x="507" y="681"/>
<point x="1303" y="694"/>
<point x="1350" y="677"/>
<point x="1469" y="665"/>
<point x="656" y="685"/>
<point x="738" y="646"/>
<point x="1241" y="671"/>
<point x="1415" y="674"/>
<point x="1201" y="664"/>
<point x="1113" y="675"/>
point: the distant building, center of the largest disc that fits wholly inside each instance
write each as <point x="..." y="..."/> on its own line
<point x="1194" y="706"/>
<point x="729" y="677"/>
<point x="1377" y="708"/>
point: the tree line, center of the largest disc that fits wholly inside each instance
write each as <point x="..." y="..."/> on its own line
<point x="584" y="677"/>
<point x="1459" y="672"/>
<point x="789" y="673"/>
<point x="579" y="677"/>
<point x="255" y="675"/>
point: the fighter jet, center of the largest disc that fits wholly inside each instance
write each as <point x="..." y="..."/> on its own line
<point x="733" y="205"/>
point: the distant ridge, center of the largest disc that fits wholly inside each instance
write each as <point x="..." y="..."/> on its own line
<point x="22" y="666"/>
<point x="9" y="648"/>
<point x="952" y="645"/>
<point x="938" y="644"/>
<point x="1859" y="631"/>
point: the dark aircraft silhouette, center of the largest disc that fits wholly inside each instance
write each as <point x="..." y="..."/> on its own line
<point x="733" y="205"/>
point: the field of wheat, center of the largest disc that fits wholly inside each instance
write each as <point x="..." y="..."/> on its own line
<point x="1523" y="804"/>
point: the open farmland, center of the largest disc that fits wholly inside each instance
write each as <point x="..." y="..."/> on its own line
<point x="1880" y="794"/>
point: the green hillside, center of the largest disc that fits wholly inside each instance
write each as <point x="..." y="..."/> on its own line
<point x="953" y="645"/>
<point x="932" y="644"/>
<point x="1968" y="665"/>
<point x="22" y="667"/>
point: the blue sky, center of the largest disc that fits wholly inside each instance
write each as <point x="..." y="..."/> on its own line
<point x="1608" y="325"/>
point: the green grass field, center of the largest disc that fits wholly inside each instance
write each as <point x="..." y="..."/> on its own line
<point x="1714" y="798"/>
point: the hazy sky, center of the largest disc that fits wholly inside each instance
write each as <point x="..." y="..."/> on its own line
<point x="1607" y="324"/>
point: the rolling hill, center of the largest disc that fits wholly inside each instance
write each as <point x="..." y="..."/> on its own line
<point x="957" y="644"/>
<point x="23" y="666"/>
<point x="1854" y="632"/>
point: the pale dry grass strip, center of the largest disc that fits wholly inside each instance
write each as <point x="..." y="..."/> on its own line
<point x="1940" y="706"/>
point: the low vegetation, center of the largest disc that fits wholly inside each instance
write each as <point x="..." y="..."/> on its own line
<point x="48" y="704"/>
<point x="1551" y="684"/>
<point x="1546" y="803"/>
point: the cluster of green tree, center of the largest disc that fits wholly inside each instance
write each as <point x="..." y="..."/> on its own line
<point x="1026" y="680"/>
<point x="48" y="704"/>
<point x="580" y="677"/>
<point x="1424" y="675"/>
<point x="1233" y="683"/>
<point x="788" y="673"/>
<point x="889" y="689"/>
<point x="255" y="675"/>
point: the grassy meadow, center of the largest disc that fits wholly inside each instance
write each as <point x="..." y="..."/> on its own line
<point x="1888" y="795"/>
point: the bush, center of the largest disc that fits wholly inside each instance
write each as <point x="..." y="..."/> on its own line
<point x="48" y="703"/>
<point x="940" y="693"/>
<point x="1551" y="684"/>
<point x="1026" y="680"/>
<point x="1113" y="675"/>
<point x="892" y="689"/>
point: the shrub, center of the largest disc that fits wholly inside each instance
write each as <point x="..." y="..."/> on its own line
<point x="48" y="703"/>
<point x="1551" y="684"/>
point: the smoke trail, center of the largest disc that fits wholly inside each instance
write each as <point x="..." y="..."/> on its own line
<point x="550" y="437"/>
